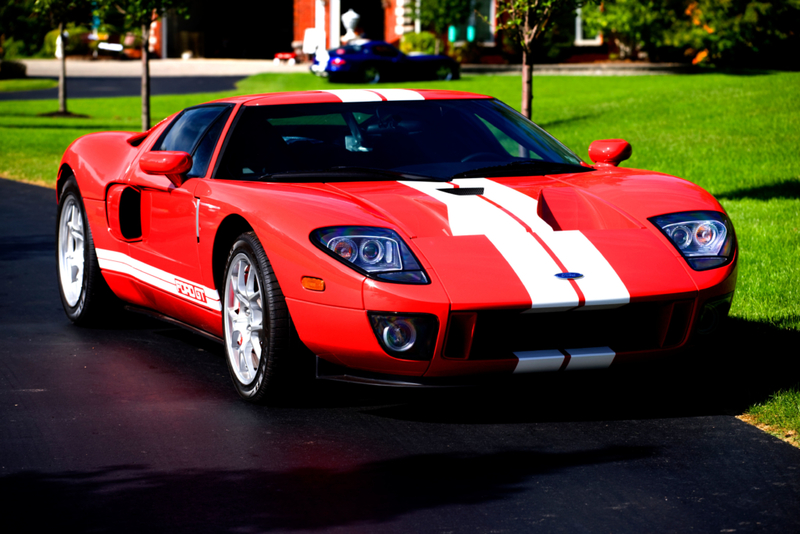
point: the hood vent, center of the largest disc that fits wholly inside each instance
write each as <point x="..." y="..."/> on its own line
<point x="463" y="191"/>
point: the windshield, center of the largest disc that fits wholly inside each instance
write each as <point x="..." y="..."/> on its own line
<point x="429" y="139"/>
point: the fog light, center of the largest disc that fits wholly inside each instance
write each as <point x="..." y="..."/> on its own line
<point x="399" y="335"/>
<point x="713" y="313"/>
<point x="406" y="336"/>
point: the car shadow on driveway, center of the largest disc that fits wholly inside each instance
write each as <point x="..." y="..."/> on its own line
<point x="748" y="363"/>
<point x="111" y="499"/>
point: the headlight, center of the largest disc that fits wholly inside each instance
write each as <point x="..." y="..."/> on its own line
<point x="375" y="252"/>
<point x="704" y="238"/>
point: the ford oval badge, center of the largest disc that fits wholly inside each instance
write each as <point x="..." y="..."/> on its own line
<point x="569" y="276"/>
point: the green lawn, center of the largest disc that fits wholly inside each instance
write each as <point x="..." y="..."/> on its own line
<point x="736" y="135"/>
<point x="26" y="84"/>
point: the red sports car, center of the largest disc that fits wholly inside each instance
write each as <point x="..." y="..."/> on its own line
<point x="404" y="237"/>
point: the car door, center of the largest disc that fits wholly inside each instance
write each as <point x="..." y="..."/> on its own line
<point x="167" y="253"/>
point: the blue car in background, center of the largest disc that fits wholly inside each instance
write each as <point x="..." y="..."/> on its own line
<point x="378" y="61"/>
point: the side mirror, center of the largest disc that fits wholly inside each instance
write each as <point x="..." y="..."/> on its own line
<point x="172" y="164"/>
<point x="609" y="152"/>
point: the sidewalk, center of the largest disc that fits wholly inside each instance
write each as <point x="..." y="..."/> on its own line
<point x="159" y="68"/>
<point x="163" y="68"/>
<point x="612" y="68"/>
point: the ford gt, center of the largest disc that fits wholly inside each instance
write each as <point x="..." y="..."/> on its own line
<point x="378" y="61"/>
<point x="401" y="236"/>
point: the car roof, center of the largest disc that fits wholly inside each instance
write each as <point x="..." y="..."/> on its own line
<point x="334" y="96"/>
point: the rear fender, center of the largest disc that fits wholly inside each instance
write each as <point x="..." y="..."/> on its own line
<point x="96" y="160"/>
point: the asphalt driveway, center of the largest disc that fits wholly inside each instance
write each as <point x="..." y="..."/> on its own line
<point x="136" y="428"/>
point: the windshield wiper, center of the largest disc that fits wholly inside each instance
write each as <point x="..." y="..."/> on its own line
<point x="539" y="168"/>
<point x="343" y="173"/>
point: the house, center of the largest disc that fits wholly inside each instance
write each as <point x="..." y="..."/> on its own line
<point x="318" y="24"/>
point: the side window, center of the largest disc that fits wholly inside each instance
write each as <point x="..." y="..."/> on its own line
<point x="253" y="149"/>
<point x="385" y="51"/>
<point x="196" y="131"/>
<point x="205" y="149"/>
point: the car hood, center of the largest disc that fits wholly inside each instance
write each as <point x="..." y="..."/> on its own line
<point x="505" y="240"/>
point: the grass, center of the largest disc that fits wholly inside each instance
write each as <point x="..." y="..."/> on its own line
<point x="780" y="415"/>
<point x="735" y="135"/>
<point x="26" y="84"/>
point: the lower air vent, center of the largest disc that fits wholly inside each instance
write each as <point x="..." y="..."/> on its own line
<point x="634" y="327"/>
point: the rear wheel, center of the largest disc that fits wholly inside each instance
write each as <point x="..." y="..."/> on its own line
<point x="256" y="321"/>
<point x="371" y="74"/>
<point x="84" y="293"/>
<point x="444" y="72"/>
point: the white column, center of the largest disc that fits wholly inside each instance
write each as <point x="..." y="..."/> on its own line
<point x="319" y="21"/>
<point x="336" y="15"/>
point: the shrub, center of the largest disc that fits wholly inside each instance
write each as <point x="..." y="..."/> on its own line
<point x="12" y="48"/>
<point x="422" y="42"/>
<point x="76" y="41"/>
<point x="11" y="69"/>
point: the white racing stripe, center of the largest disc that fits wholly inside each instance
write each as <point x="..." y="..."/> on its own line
<point x="110" y="260"/>
<point x="538" y="361"/>
<point x="355" y="95"/>
<point x="590" y="358"/>
<point x="369" y="95"/>
<point x="396" y="95"/>
<point x="471" y="215"/>
<point x="601" y="286"/>
<point x="520" y="204"/>
<point x="542" y="361"/>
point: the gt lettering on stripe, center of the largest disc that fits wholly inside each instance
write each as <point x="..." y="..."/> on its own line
<point x="118" y="262"/>
<point x="191" y="290"/>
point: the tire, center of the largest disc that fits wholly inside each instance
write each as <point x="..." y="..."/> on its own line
<point x="256" y="323"/>
<point x="371" y="74"/>
<point x="445" y="73"/>
<point x="85" y="295"/>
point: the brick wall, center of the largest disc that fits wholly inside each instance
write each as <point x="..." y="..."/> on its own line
<point x="303" y="17"/>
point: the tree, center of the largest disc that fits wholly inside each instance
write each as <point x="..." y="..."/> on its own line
<point x="636" y="24"/>
<point x="439" y="15"/>
<point x="733" y="33"/>
<point x="61" y="12"/>
<point x="527" y="19"/>
<point x="21" y="34"/>
<point x="742" y="33"/>
<point x="140" y="14"/>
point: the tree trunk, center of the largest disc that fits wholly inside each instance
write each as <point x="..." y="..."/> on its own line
<point x="145" y="77"/>
<point x="62" y="73"/>
<point x="527" y="84"/>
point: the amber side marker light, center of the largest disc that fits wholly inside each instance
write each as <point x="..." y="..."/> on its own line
<point x="314" y="284"/>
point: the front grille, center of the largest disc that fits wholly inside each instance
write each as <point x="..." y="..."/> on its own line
<point x="497" y="334"/>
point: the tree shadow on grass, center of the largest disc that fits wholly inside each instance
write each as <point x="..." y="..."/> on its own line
<point x="52" y="126"/>
<point x="63" y="115"/>
<point x="560" y="122"/>
<point x="788" y="189"/>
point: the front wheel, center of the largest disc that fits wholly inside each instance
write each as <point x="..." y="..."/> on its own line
<point x="255" y="320"/>
<point x="84" y="293"/>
